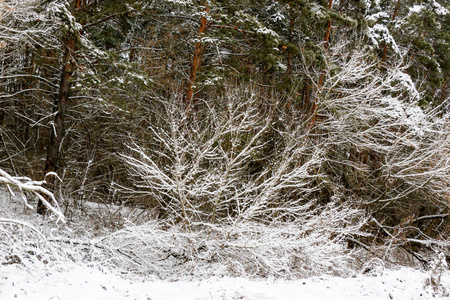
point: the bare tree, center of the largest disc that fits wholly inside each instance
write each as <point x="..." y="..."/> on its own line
<point x="382" y="149"/>
<point x="207" y="169"/>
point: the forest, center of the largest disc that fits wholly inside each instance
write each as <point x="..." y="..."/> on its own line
<point x="243" y="138"/>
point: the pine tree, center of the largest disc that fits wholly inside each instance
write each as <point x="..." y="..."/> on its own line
<point x="417" y="33"/>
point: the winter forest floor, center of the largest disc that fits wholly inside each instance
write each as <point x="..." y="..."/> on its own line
<point x="68" y="262"/>
<point x="72" y="281"/>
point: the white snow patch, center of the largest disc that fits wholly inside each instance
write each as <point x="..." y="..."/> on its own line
<point x="282" y="66"/>
<point x="377" y="16"/>
<point x="417" y="8"/>
<point x="81" y="282"/>
<point x="180" y="2"/>
<point x="409" y="115"/>
<point x="406" y="81"/>
<point x="439" y="9"/>
<point x="278" y="17"/>
<point x="317" y="10"/>
<point x="267" y="31"/>
<point x="213" y="81"/>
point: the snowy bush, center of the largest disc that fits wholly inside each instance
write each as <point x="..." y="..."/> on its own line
<point x="21" y="242"/>
<point x="437" y="268"/>
<point x="310" y="246"/>
<point x="382" y="150"/>
<point x="229" y="162"/>
<point x="244" y="162"/>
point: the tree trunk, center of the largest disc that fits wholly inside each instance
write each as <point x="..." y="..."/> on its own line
<point x="327" y="34"/>
<point x="57" y="128"/>
<point x="290" y="55"/>
<point x="322" y="75"/>
<point x="393" y="18"/>
<point x="444" y="91"/>
<point x="196" y="61"/>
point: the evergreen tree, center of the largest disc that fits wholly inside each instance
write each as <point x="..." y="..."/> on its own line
<point x="417" y="33"/>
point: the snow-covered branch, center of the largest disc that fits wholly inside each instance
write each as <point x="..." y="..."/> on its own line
<point x="25" y="184"/>
<point x="380" y="145"/>
<point x="217" y="168"/>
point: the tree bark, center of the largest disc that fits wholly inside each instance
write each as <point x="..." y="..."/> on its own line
<point x="57" y="128"/>
<point x="328" y="32"/>
<point x="196" y="61"/>
<point x="393" y="18"/>
<point x="292" y="17"/>
<point x="322" y="75"/>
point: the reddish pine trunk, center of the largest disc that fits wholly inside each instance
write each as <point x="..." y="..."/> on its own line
<point x="196" y="62"/>
<point x="322" y="76"/>
<point x="393" y="18"/>
<point x="327" y="34"/>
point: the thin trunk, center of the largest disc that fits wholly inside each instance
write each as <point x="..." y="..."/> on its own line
<point x="306" y="100"/>
<point x="396" y="10"/>
<point x="57" y="128"/>
<point x="196" y="61"/>
<point x="61" y="102"/>
<point x="322" y="75"/>
<point x="444" y="89"/>
<point x="384" y="53"/>
<point x="2" y="113"/>
<point x="78" y="3"/>
<point x="316" y="102"/>
<point x="291" y="41"/>
<point x="327" y="34"/>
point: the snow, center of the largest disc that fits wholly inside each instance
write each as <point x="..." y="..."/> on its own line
<point x="410" y="115"/>
<point x="380" y="33"/>
<point x="266" y="31"/>
<point x="282" y="66"/>
<point x="367" y="4"/>
<point x="278" y="17"/>
<point x="317" y="10"/>
<point x="213" y="81"/>
<point x="406" y="81"/>
<point x="58" y="270"/>
<point x="180" y="2"/>
<point x="377" y="16"/>
<point x="416" y="8"/>
<point x="82" y="282"/>
<point x="438" y="9"/>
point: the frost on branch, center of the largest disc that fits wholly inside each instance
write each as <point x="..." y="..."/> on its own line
<point x="238" y="191"/>
<point x="383" y="150"/>
<point x="380" y="34"/>
<point x="21" y="242"/>
<point x="223" y="167"/>
<point x="312" y="245"/>
<point x="25" y="184"/>
<point x="437" y="269"/>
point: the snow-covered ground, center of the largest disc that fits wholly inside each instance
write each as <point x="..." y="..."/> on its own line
<point x="58" y="269"/>
<point x="77" y="282"/>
